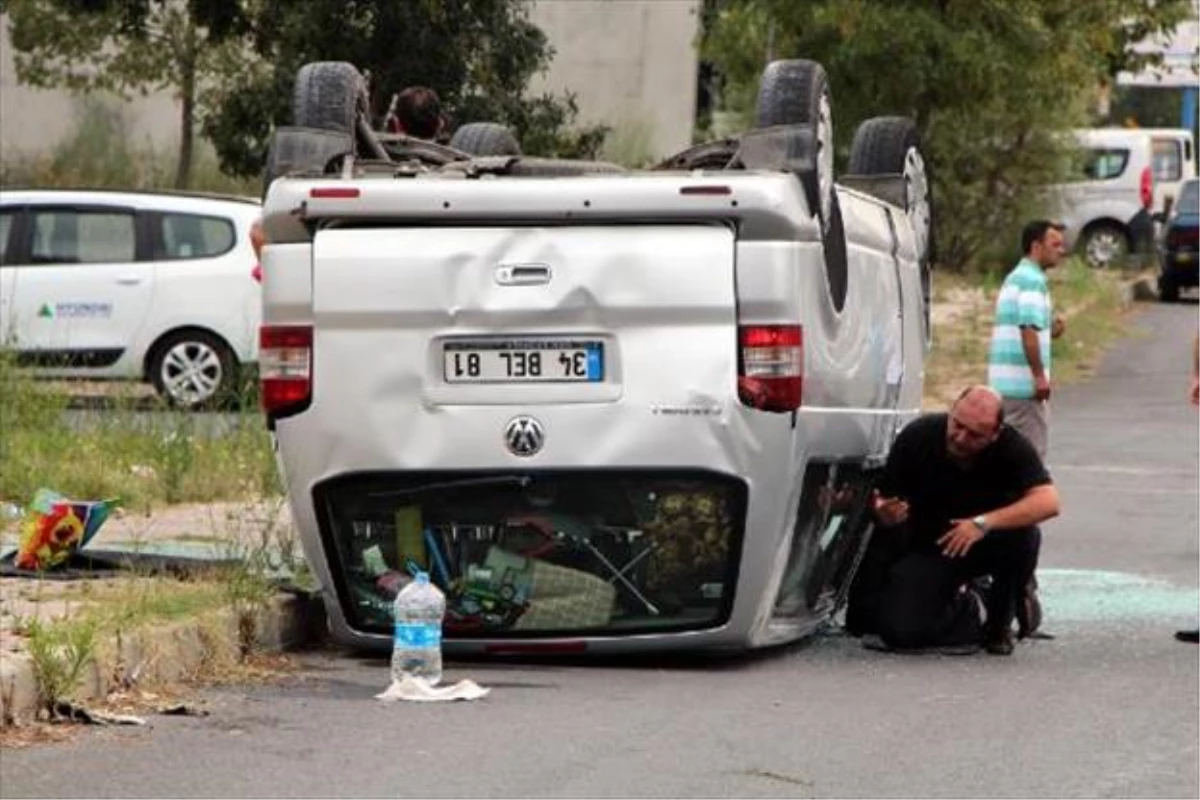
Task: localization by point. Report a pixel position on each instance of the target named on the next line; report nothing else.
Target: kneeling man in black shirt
(961, 496)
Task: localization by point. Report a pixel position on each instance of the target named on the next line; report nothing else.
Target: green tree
(991, 83)
(477, 54)
(132, 47)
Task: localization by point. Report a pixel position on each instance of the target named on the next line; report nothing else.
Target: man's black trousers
(912, 595)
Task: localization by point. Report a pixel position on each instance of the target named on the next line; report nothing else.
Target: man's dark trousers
(921, 605)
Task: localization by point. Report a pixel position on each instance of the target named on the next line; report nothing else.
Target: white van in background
(1126, 171)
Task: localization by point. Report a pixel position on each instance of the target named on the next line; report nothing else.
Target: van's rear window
(538, 554)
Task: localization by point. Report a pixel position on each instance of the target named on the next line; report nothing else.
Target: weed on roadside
(60, 651)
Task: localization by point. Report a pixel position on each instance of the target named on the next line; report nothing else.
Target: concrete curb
(162, 653)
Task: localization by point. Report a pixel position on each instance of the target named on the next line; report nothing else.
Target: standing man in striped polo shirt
(1019, 357)
(1019, 361)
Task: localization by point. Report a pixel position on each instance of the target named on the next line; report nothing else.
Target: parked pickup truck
(606, 409)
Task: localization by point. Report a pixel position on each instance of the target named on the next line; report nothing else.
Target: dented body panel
(651, 284)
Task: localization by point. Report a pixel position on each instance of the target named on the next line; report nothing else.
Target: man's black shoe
(1029, 610)
(873, 642)
(1188, 636)
(999, 643)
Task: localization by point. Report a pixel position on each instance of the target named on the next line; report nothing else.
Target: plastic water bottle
(417, 643)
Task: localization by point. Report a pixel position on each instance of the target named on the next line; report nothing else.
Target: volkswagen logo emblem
(524, 436)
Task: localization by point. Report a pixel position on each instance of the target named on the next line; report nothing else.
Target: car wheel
(892, 146)
(193, 369)
(485, 139)
(1104, 245)
(796, 92)
(328, 95)
(1168, 290)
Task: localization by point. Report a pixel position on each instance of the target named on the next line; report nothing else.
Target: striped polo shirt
(1024, 301)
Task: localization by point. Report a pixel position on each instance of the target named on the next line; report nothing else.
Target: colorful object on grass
(55, 527)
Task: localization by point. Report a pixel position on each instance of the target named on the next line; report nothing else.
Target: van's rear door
(506, 315)
(1173, 162)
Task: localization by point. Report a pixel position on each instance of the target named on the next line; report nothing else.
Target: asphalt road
(1107, 709)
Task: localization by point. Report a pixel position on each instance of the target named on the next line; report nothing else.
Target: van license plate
(524, 361)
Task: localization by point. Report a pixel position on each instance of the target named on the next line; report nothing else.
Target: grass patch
(146, 454)
(131, 604)
(1096, 315)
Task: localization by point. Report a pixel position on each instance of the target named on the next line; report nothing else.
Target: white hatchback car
(137, 285)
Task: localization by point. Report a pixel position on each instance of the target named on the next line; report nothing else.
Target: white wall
(631, 63)
(32, 121)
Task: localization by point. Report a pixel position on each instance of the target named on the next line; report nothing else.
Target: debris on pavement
(419, 690)
(64, 711)
(182, 710)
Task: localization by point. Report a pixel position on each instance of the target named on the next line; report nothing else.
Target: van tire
(328, 95)
(1168, 290)
(1104, 244)
(196, 348)
(892, 146)
(796, 92)
(485, 139)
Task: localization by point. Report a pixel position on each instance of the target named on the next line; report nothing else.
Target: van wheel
(892, 146)
(1104, 245)
(328, 95)
(193, 369)
(485, 139)
(1168, 290)
(796, 92)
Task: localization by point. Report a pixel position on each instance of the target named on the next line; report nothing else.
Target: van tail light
(771, 373)
(285, 367)
(1146, 189)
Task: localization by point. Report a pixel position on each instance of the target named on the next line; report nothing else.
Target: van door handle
(531, 274)
(129, 280)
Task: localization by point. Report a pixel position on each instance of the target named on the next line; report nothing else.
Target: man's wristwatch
(980, 522)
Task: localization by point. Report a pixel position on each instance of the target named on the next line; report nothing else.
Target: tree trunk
(187, 96)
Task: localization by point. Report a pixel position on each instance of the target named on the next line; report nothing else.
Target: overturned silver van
(607, 410)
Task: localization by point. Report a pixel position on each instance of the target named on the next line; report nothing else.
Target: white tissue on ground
(420, 690)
